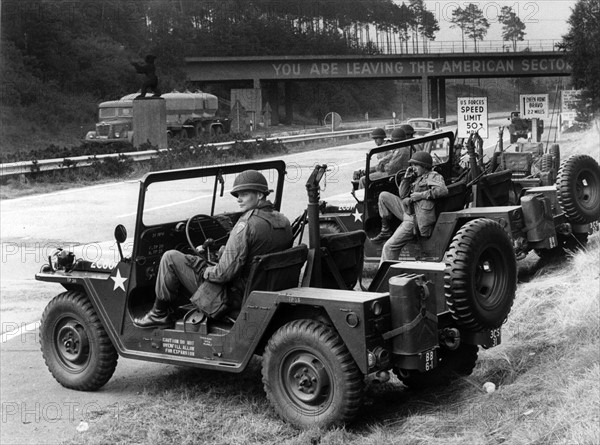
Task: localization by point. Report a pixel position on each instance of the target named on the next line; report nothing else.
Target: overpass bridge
(264, 73)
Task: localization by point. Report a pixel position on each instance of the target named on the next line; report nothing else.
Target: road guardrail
(43, 165)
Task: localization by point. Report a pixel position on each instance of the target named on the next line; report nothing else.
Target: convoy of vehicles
(318, 338)
(188, 115)
(544, 219)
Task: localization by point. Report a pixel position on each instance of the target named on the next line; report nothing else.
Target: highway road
(36, 409)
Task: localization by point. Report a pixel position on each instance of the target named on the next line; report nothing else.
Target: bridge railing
(392, 46)
(458, 46)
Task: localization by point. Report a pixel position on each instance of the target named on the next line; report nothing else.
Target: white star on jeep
(357, 215)
(119, 281)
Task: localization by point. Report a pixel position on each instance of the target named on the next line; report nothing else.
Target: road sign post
(472, 116)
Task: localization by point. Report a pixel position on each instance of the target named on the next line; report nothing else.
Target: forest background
(60, 58)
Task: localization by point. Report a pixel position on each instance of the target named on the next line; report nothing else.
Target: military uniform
(258, 231)
(418, 194)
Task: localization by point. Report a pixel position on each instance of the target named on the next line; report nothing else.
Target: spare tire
(481, 275)
(578, 187)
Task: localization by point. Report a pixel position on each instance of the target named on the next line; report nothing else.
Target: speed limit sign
(472, 116)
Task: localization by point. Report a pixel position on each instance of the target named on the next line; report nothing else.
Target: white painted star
(357, 215)
(119, 281)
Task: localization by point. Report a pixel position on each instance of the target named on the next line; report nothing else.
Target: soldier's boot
(386, 231)
(159, 316)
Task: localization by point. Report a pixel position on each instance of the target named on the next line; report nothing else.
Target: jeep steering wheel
(217, 231)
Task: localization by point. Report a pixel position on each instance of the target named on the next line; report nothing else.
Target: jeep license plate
(428, 360)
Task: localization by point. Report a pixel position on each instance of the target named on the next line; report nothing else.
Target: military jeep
(545, 219)
(318, 337)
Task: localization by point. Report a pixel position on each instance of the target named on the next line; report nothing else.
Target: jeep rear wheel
(578, 186)
(481, 275)
(452, 365)
(310, 377)
(75, 346)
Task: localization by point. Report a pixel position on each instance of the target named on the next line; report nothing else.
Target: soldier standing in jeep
(415, 205)
(219, 288)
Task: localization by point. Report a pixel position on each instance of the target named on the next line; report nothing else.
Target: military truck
(318, 338)
(188, 115)
(546, 219)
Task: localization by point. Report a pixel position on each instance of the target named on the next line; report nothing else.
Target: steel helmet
(422, 158)
(250, 180)
(378, 133)
(408, 129)
(398, 135)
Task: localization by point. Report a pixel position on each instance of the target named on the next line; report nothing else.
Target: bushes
(181, 154)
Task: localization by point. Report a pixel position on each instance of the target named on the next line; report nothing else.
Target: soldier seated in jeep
(395, 160)
(414, 206)
(217, 289)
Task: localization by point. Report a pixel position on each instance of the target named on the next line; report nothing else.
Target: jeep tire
(578, 186)
(481, 275)
(310, 377)
(75, 345)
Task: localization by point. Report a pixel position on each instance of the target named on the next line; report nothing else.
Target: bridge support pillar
(425, 96)
(436, 99)
(442, 98)
(272, 97)
(289, 104)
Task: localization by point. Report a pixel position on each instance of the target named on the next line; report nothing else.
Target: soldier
(217, 289)
(415, 206)
(151, 80)
(378, 135)
(392, 162)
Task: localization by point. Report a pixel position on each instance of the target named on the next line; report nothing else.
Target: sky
(545, 19)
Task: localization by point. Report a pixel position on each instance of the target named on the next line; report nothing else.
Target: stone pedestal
(150, 122)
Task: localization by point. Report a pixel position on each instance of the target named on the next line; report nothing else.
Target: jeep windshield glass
(178, 200)
(390, 162)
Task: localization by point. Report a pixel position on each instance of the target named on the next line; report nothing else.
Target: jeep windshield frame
(213, 175)
(428, 144)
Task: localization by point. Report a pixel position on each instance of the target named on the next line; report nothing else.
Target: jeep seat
(494, 189)
(455, 199)
(342, 256)
(276, 271)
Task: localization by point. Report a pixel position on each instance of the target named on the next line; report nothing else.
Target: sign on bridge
(534, 106)
(472, 116)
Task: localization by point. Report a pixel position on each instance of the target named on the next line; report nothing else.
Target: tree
(471, 22)
(513, 29)
(583, 51)
(423, 23)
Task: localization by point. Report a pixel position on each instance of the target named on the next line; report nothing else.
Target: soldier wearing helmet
(217, 289)
(408, 130)
(392, 162)
(378, 135)
(414, 206)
